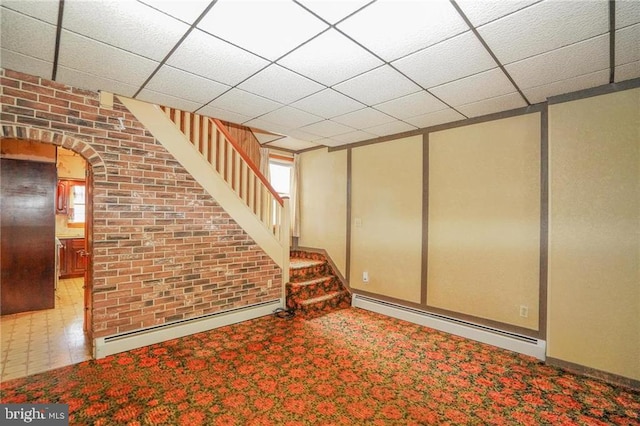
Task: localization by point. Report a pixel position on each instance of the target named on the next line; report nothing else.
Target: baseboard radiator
(514, 342)
(116, 343)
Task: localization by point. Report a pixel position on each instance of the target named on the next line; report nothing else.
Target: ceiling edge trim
(446, 126)
(595, 91)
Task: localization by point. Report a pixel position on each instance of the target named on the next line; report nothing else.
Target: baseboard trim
(109, 345)
(511, 341)
(611, 378)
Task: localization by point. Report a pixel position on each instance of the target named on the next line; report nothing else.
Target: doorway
(41, 340)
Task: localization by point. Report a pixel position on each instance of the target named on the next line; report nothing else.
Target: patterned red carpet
(349, 367)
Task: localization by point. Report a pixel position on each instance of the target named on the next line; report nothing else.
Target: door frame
(88, 256)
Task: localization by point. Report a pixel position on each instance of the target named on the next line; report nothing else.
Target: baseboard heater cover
(122, 342)
(511, 341)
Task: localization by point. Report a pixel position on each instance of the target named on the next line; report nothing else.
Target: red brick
(19, 94)
(179, 266)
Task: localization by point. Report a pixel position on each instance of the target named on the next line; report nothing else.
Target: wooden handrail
(248, 160)
(227, 158)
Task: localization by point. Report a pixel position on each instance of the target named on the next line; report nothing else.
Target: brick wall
(164, 250)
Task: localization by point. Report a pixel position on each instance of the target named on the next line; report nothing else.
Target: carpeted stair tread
(320, 299)
(311, 282)
(297, 263)
(313, 288)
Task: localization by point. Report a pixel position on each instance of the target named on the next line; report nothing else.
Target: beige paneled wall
(484, 224)
(386, 218)
(484, 220)
(594, 252)
(323, 203)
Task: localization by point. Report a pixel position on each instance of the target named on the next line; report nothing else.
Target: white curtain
(295, 197)
(264, 163)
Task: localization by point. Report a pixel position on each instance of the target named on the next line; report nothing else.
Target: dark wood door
(88, 248)
(27, 235)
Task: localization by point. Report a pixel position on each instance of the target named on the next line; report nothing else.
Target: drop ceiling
(326, 72)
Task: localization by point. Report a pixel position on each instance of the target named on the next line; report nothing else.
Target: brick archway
(69, 142)
(79, 146)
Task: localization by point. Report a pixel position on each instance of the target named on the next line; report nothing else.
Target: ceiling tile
(91, 57)
(389, 84)
(333, 11)
(287, 118)
(187, 11)
(482, 12)
(266, 125)
(390, 128)
(330, 58)
(534, 30)
(628, 45)
(627, 71)
(627, 12)
(245, 103)
(141, 29)
(363, 118)
(586, 81)
(26, 64)
(327, 128)
(209, 57)
(281, 25)
(302, 135)
(434, 118)
(352, 137)
(264, 137)
(328, 103)
(561, 64)
(489, 106)
(222, 114)
(46, 11)
(27, 36)
(484, 85)
(83, 80)
(391, 31)
(292, 144)
(168, 100)
(280, 84)
(450, 60)
(183, 85)
(411, 105)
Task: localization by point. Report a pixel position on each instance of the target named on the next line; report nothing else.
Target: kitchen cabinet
(71, 257)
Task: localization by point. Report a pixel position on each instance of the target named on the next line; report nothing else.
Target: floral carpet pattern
(349, 367)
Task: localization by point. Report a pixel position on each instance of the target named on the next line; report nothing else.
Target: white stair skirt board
(514, 342)
(114, 344)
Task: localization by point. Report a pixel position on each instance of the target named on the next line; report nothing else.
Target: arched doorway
(41, 340)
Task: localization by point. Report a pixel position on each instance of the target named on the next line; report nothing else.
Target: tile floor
(32, 342)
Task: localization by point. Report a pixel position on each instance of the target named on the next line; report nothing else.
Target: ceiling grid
(309, 73)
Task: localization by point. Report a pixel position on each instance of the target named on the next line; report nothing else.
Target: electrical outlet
(269, 283)
(365, 277)
(358, 222)
(524, 311)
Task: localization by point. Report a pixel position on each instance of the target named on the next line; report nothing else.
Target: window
(280, 176)
(280, 169)
(76, 203)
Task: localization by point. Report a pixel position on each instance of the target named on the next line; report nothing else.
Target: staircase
(204, 147)
(313, 288)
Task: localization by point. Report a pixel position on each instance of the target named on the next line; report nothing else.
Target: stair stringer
(166, 132)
